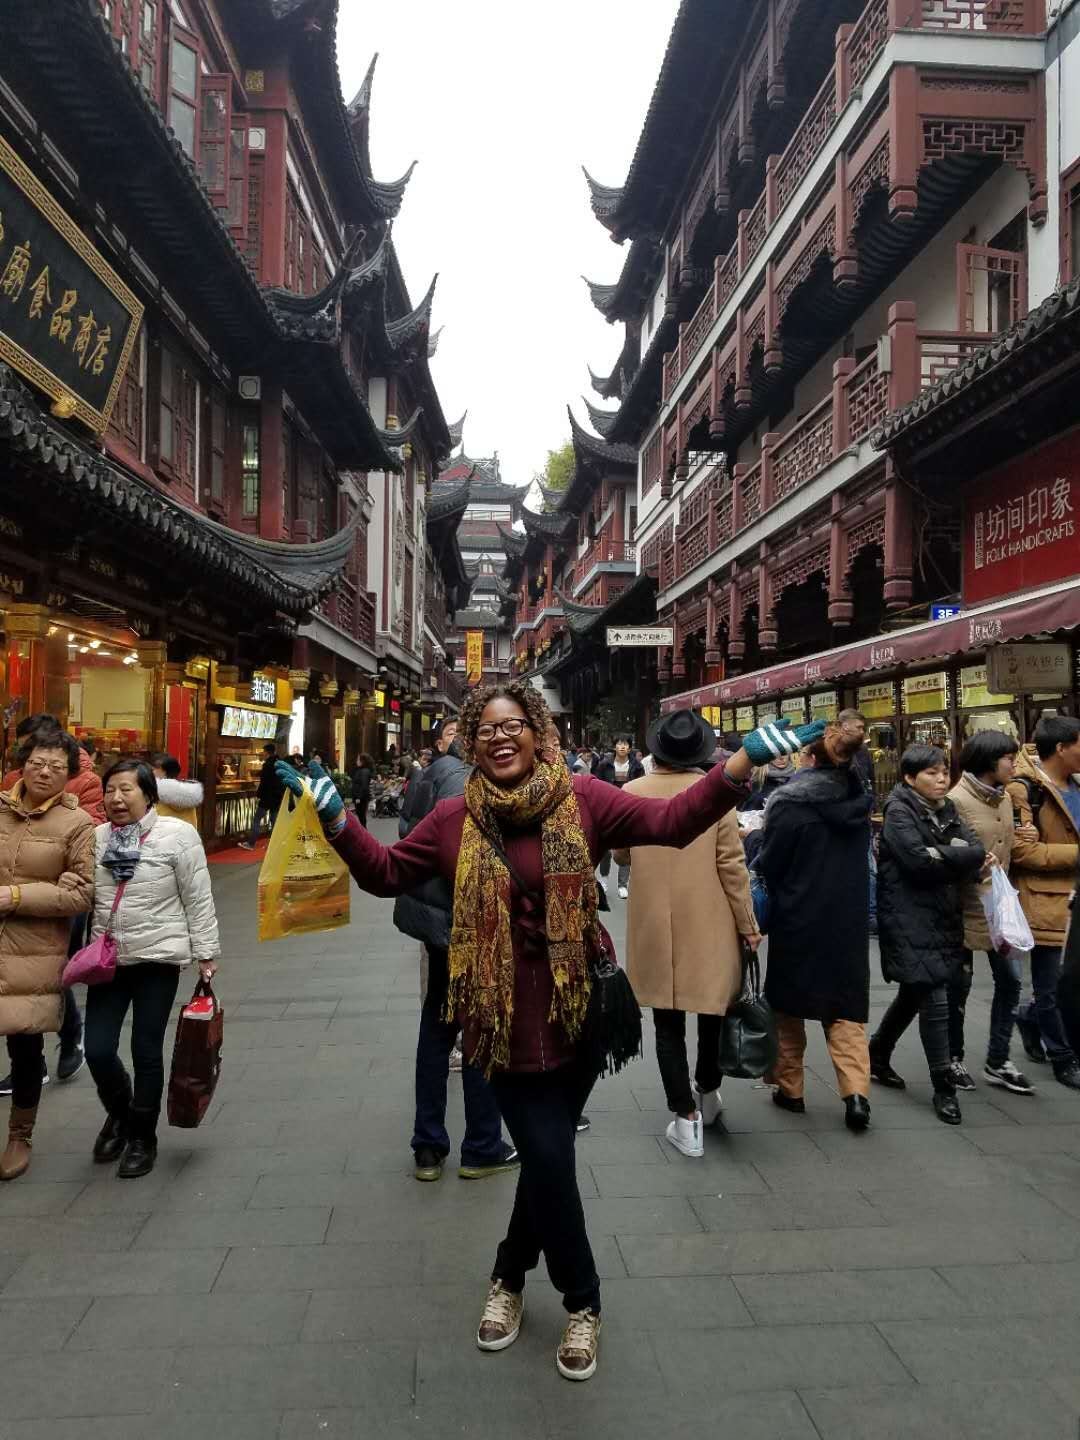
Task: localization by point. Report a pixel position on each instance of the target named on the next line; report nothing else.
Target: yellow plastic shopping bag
(303, 882)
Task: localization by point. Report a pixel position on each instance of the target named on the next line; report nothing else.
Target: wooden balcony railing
(603, 552)
(860, 398)
(857, 51)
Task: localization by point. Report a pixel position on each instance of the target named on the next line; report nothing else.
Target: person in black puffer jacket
(927, 856)
(425, 914)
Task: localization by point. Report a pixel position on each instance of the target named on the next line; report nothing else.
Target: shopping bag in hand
(196, 1062)
(303, 882)
(1009, 929)
(748, 1030)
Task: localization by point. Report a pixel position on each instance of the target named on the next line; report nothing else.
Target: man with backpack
(1046, 801)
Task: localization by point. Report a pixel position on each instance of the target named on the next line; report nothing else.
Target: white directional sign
(619, 635)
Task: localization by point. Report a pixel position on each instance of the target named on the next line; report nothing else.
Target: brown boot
(15, 1160)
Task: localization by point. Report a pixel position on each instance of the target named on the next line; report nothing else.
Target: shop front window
(108, 695)
(926, 711)
(982, 710)
(878, 704)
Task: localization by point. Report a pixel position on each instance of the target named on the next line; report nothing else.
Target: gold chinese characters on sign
(474, 656)
(68, 323)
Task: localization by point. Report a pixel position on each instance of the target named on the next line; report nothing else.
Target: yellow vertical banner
(474, 656)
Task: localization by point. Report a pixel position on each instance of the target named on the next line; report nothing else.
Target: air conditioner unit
(249, 387)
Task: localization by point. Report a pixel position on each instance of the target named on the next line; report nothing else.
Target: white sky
(502, 103)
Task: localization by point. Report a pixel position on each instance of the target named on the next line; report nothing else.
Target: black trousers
(541, 1112)
(674, 1065)
(25, 1053)
(148, 991)
(930, 1003)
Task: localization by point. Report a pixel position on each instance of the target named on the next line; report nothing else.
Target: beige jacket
(1044, 870)
(991, 818)
(687, 911)
(49, 854)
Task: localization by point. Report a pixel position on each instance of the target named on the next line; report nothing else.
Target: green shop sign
(67, 321)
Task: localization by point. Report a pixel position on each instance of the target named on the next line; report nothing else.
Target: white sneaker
(575, 1358)
(245, 845)
(603, 883)
(685, 1135)
(623, 892)
(709, 1104)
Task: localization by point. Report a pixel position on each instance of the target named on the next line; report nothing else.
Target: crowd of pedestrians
(767, 844)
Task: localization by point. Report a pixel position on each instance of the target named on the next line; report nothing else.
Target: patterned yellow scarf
(481, 947)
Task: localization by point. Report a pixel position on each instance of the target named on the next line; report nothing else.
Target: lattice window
(252, 246)
(1002, 138)
(866, 533)
(868, 401)
(651, 465)
(751, 495)
(126, 421)
(797, 572)
(822, 242)
(802, 454)
(653, 548)
(727, 279)
(867, 40)
(806, 144)
(756, 228)
(408, 600)
(723, 519)
(873, 175)
(1011, 16)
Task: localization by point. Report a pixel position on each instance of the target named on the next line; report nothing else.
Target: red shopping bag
(196, 1062)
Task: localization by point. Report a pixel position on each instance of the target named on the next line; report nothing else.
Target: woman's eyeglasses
(47, 767)
(511, 728)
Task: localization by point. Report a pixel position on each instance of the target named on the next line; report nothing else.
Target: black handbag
(611, 1032)
(748, 1030)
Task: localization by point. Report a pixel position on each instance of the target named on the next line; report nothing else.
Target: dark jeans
(1006, 970)
(71, 1025)
(1043, 1010)
(148, 990)
(674, 1066)
(483, 1142)
(261, 813)
(541, 1111)
(605, 869)
(26, 1053)
(930, 1004)
(361, 808)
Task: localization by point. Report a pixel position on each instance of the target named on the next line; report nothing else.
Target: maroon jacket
(612, 820)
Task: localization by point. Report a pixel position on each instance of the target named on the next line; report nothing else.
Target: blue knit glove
(328, 802)
(768, 742)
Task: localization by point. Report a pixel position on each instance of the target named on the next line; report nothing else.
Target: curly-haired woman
(520, 848)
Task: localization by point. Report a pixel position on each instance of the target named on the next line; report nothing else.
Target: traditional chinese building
(215, 377)
(832, 206)
(494, 508)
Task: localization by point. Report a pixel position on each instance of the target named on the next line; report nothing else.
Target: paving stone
(640, 1181)
(66, 1383)
(75, 1235)
(119, 1323)
(255, 1425)
(318, 1267)
(683, 1413)
(229, 1379)
(789, 1210)
(937, 1352)
(786, 1357)
(998, 1409)
(193, 1228)
(49, 1273)
(1046, 1289)
(51, 1198)
(744, 1252)
(828, 1297)
(27, 1326)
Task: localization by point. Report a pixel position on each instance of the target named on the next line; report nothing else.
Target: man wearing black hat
(690, 913)
(425, 915)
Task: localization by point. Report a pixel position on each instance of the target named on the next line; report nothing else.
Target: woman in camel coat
(688, 911)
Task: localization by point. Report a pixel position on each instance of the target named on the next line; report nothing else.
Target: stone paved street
(281, 1274)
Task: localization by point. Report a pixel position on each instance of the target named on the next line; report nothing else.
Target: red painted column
(905, 380)
(905, 135)
(275, 178)
(271, 463)
(841, 608)
(899, 540)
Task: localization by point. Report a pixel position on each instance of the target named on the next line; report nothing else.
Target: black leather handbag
(748, 1031)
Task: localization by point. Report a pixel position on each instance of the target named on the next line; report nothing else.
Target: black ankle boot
(857, 1112)
(946, 1107)
(112, 1138)
(141, 1149)
(882, 1071)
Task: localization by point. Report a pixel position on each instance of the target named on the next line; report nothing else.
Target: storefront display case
(245, 717)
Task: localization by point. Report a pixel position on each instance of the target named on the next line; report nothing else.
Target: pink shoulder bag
(95, 964)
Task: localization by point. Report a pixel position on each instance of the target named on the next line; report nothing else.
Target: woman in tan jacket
(688, 910)
(983, 803)
(46, 877)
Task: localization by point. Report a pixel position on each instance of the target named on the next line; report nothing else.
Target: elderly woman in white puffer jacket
(163, 922)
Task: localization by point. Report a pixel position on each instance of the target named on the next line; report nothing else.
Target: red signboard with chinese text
(1022, 523)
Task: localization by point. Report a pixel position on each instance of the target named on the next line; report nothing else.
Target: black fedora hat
(682, 740)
